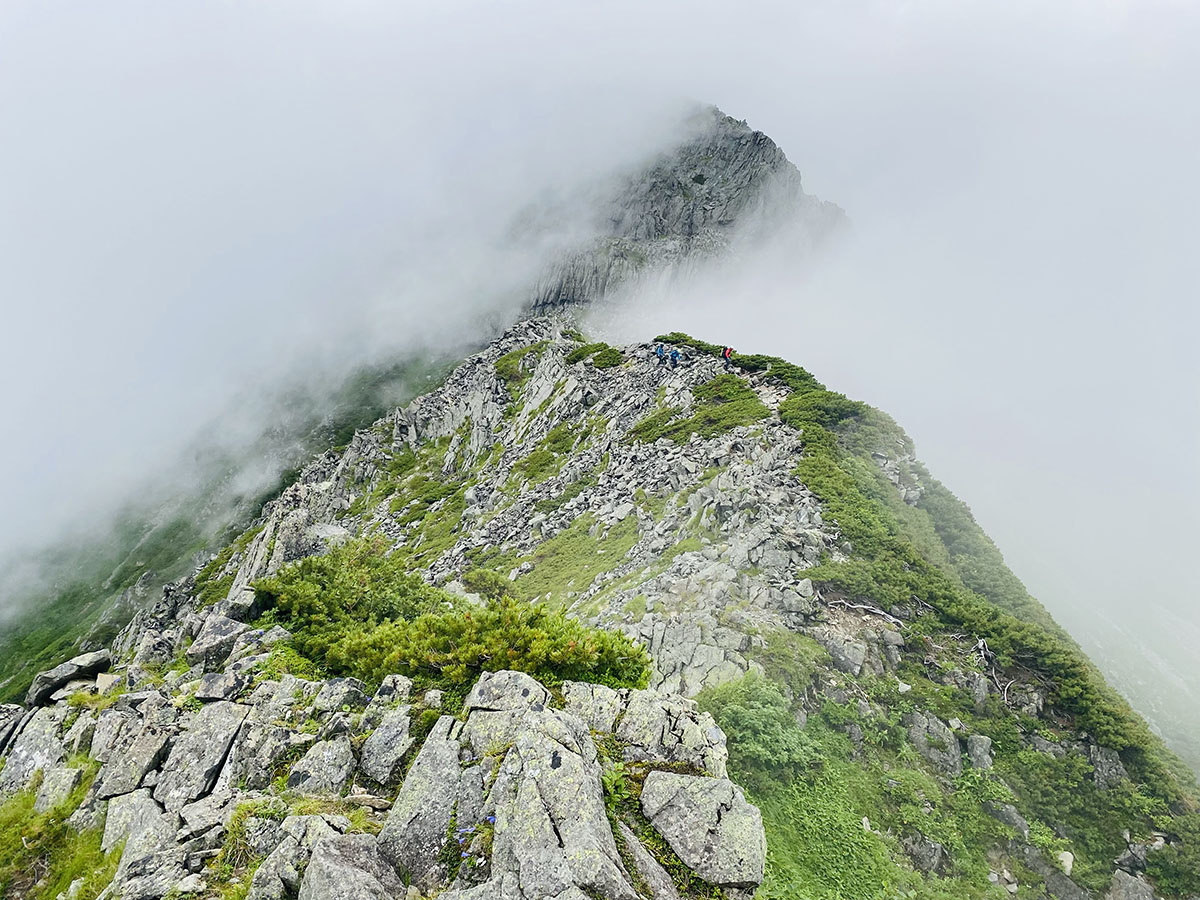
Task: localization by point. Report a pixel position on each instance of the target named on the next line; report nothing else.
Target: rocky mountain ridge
(689, 509)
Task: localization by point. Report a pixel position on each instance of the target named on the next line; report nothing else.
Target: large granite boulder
(385, 748)
(349, 867)
(415, 832)
(551, 825)
(85, 666)
(709, 825)
(198, 754)
(934, 740)
(38, 747)
(214, 642)
(669, 728)
(325, 769)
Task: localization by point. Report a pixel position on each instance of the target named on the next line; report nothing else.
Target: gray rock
(221, 686)
(78, 738)
(46, 683)
(1107, 769)
(551, 826)
(667, 728)
(598, 706)
(934, 740)
(926, 855)
(709, 825)
(349, 867)
(198, 754)
(506, 690)
(1008, 814)
(262, 835)
(278, 877)
(1130, 887)
(393, 690)
(215, 640)
(205, 815)
(129, 815)
(38, 747)
(496, 705)
(10, 718)
(652, 874)
(77, 686)
(1058, 884)
(979, 751)
(385, 748)
(415, 832)
(124, 771)
(325, 769)
(57, 785)
(339, 694)
(115, 729)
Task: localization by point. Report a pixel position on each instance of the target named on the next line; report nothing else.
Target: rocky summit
(592, 622)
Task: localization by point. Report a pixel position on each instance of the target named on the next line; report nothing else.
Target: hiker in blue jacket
(661, 353)
(674, 357)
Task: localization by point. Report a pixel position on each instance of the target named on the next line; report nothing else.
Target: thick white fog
(200, 201)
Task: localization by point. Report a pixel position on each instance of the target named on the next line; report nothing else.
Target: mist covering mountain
(854, 640)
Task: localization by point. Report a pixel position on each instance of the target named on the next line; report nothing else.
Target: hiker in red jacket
(727, 355)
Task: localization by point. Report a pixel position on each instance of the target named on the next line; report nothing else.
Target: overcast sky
(195, 198)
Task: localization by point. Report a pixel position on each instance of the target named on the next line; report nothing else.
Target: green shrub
(607, 358)
(1176, 868)
(595, 348)
(452, 648)
(764, 737)
(353, 586)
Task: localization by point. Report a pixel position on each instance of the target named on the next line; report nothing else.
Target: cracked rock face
(709, 824)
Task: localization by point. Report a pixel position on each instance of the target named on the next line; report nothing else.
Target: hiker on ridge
(727, 355)
(674, 357)
(661, 354)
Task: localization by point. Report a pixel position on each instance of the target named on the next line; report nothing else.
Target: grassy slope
(937, 554)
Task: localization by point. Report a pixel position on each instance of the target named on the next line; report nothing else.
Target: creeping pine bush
(357, 612)
(352, 588)
(452, 648)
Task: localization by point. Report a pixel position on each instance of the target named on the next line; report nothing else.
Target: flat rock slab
(325, 769)
(124, 771)
(350, 867)
(57, 785)
(198, 754)
(38, 747)
(506, 690)
(415, 832)
(84, 666)
(215, 640)
(709, 825)
(385, 748)
(221, 685)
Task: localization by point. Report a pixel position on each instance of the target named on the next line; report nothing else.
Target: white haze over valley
(201, 203)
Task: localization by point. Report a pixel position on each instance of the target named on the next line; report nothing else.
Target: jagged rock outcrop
(80, 667)
(724, 184)
(512, 790)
